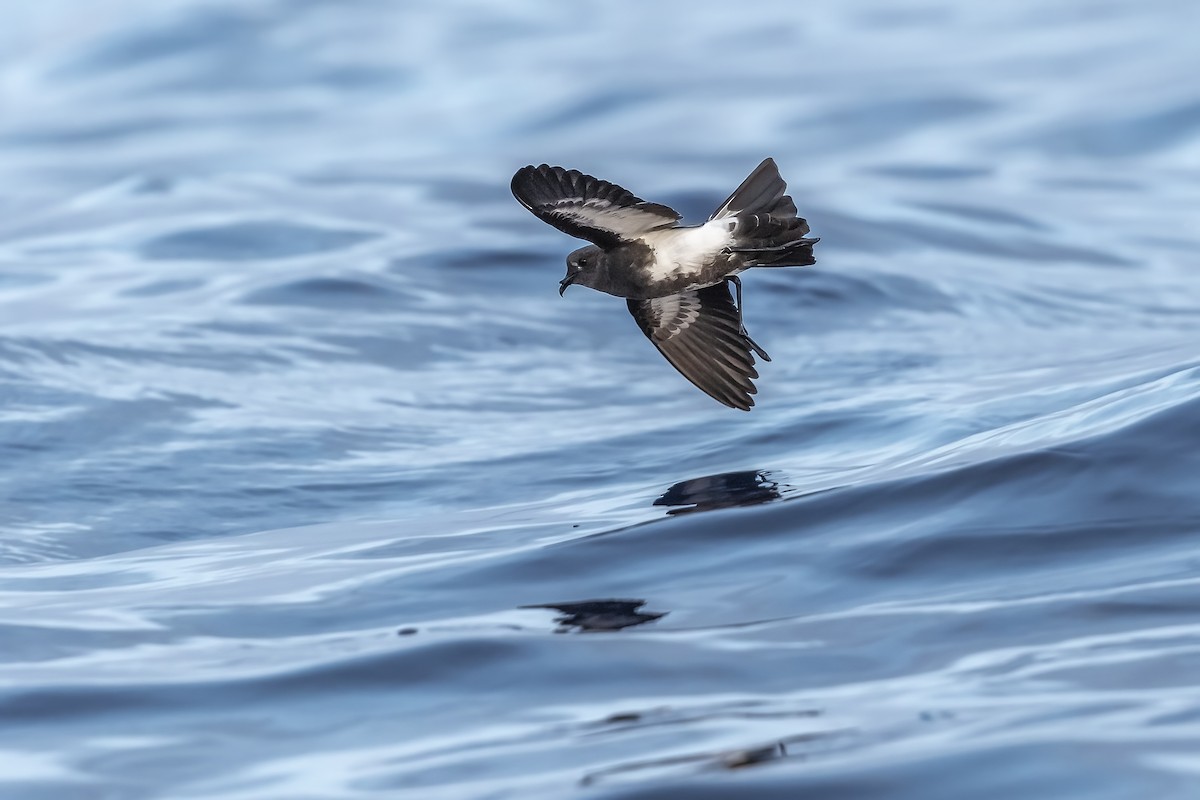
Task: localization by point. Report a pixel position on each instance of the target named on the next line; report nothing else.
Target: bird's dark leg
(737, 283)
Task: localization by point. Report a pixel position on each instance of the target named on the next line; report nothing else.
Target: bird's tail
(763, 221)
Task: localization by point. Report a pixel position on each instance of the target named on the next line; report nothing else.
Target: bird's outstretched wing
(699, 333)
(588, 208)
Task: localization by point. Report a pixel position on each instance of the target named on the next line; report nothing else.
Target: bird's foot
(755, 346)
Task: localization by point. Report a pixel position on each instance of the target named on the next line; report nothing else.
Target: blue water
(311, 486)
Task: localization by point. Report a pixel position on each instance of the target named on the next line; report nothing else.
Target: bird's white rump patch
(684, 251)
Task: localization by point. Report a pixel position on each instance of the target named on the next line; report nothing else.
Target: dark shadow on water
(601, 615)
(726, 490)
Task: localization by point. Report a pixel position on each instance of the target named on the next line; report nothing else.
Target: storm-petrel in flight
(676, 279)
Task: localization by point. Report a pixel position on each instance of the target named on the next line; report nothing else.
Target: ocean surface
(311, 486)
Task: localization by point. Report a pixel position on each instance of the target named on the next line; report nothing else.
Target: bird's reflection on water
(601, 615)
(726, 490)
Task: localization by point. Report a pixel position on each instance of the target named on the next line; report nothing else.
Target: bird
(675, 279)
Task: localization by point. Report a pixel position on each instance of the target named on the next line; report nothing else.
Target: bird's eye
(582, 263)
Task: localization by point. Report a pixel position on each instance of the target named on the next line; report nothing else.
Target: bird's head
(584, 266)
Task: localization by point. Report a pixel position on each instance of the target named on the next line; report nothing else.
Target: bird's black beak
(567, 281)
